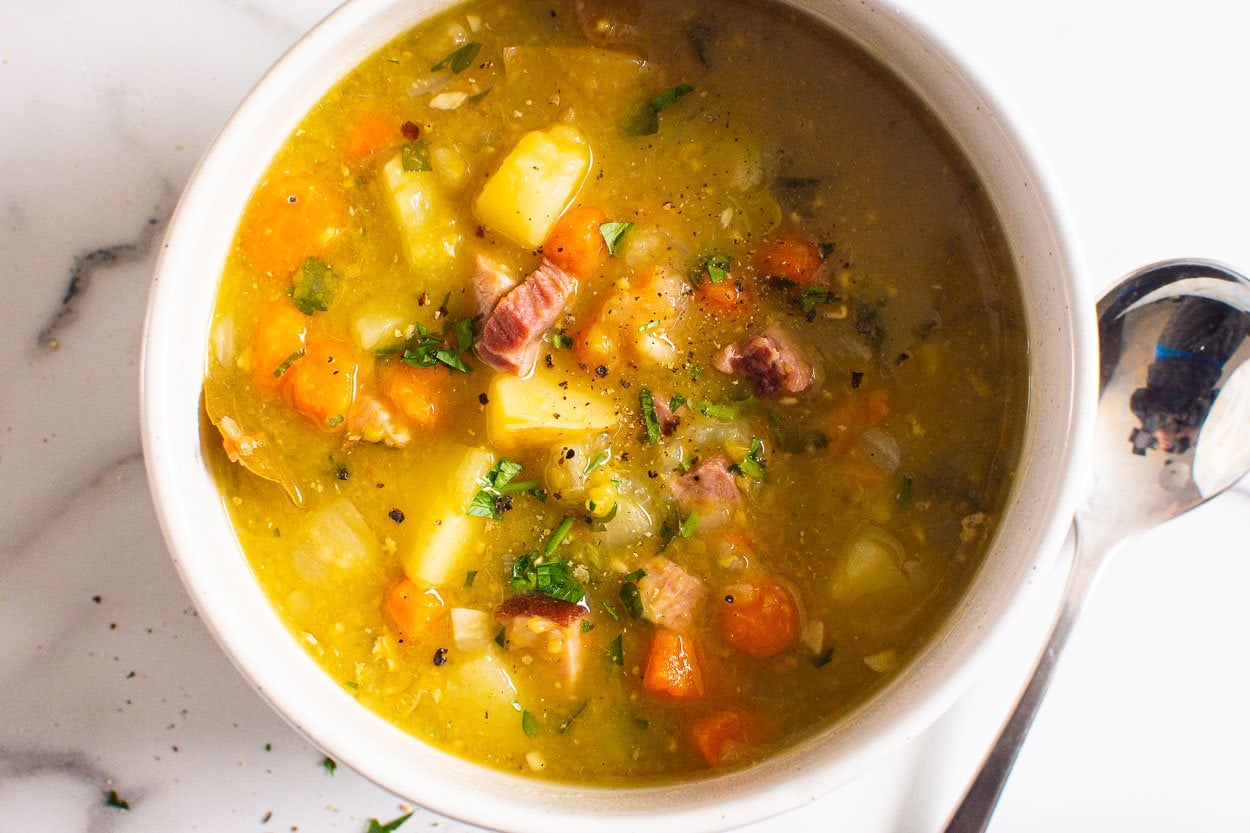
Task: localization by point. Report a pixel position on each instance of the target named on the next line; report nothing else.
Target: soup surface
(610, 391)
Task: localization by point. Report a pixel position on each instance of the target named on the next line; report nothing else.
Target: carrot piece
(373, 132)
(575, 243)
(673, 666)
(323, 384)
(289, 217)
(726, 296)
(414, 611)
(277, 344)
(762, 620)
(876, 406)
(721, 737)
(788, 254)
(418, 392)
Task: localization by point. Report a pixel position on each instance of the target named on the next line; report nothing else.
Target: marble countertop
(109, 680)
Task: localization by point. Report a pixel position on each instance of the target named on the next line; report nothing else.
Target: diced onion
(814, 636)
(882, 449)
(337, 538)
(471, 629)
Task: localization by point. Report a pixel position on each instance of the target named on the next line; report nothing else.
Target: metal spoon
(1173, 407)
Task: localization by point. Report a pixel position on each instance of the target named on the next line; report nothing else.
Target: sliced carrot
(876, 406)
(762, 620)
(323, 384)
(418, 392)
(290, 217)
(722, 737)
(859, 413)
(413, 610)
(788, 254)
(277, 343)
(727, 295)
(373, 132)
(575, 243)
(673, 666)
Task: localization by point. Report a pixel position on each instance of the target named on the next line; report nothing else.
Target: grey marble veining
(109, 680)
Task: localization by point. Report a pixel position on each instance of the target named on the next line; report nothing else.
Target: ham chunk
(373, 422)
(670, 596)
(491, 281)
(771, 360)
(709, 490)
(550, 629)
(513, 332)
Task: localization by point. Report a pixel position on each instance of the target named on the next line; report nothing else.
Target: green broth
(788, 126)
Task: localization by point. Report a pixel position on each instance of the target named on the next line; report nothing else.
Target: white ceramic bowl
(1063, 376)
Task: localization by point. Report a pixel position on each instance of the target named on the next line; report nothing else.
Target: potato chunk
(441, 531)
(427, 224)
(871, 564)
(534, 184)
(537, 411)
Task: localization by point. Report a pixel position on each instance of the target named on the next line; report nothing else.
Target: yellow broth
(787, 127)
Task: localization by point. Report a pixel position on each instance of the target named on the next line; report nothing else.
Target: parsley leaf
(469, 578)
(814, 296)
(649, 419)
(426, 350)
(669, 97)
(599, 459)
(753, 464)
(551, 578)
(724, 412)
(460, 60)
(904, 493)
(529, 724)
(676, 402)
(689, 525)
(329, 765)
(612, 234)
(286, 365)
(556, 537)
(115, 800)
(631, 596)
(560, 341)
(616, 651)
(717, 268)
(415, 156)
(489, 501)
(646, 122)
(376, 826)
(314, 286)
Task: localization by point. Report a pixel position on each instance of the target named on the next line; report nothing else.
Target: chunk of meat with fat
(772, 361)
(670, 596)
(549, 628)
(373, 422)
(513, 332)
(491, 281)
(708, 486)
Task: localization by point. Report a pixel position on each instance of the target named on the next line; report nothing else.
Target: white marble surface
(110, 682)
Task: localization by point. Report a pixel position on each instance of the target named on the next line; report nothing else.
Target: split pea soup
(616, 391)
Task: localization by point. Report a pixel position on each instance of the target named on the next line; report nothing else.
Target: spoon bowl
(1174, 397)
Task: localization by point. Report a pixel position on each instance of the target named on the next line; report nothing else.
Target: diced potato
(441, 531)
(537, 411)
(883, 662)
(427, 224)
(534, 184)
(872, 563)
(335, 539)
(380, 330)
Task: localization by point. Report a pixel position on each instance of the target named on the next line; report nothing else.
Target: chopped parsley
(352, 684)
(612, 234)
(676, 402)
(689, 525)
(670, 97)
(415, 156)
(904, 493)
(587, 626)
(115, 800)
(724, 412)
(717, 268)
(631, 596)
(599, 459)
(460, 60)
(469, 578)
(753, 464)
(564, 727)
(560, 341)
(649, 420)
(814, 296)
(492, 501)
(646, 122)
(501, 638)
(611, 612)
(376, 826)
(650, 325)
(329, 765)
(286, 364)
(551, 578)
(616, 651)
(559, 535)
(529, 724)
(334, 421)
(314, 286)
(426, 350)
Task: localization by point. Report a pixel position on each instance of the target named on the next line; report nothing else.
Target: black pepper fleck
(601, 371)
(483, 398)
(440, 657)
(396, 515)
(729, 599)
(342, 473)
(856, 378)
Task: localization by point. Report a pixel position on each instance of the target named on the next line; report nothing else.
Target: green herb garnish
(676, 402)
(329, 765)
(587, 626)
(564, 727)
(426, 350)
(725, 412)
(631, 596)
(460, 60)
(464, 334)
(469, 578)
(500, 638)
(646, 122)
(556, 537)
(488, 503)
(616, 651)
(352, 684)
(649, 419)
(599, 459)
(669, 97)
(115, 800)
(650, 325)
(334, 421)
(560, 341)
(717, 268)
(376, 826)
(611, 612)
(689, 525)
(529, 724)
(286, 364)
(753, 464)
(551, 578)
(904, 493)
(612, 234)
(415, 156)
(814, 296)
(314, 286)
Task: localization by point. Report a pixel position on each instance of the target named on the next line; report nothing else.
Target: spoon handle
(974, 812)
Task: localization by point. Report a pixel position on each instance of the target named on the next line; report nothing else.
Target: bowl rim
(179, 520)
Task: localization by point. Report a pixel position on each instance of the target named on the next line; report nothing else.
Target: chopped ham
(601, 23)
(709, 485)
(772, 361)
(491, 281)
(665, 416)
(548, 628)
(513, 332)
(373, 422)
(670, 595)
